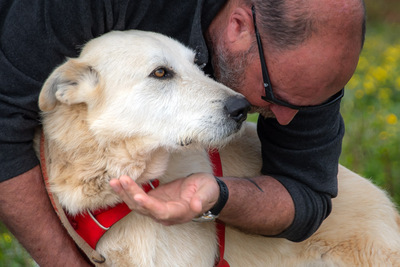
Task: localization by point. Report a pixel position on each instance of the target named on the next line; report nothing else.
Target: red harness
(215, 159)
(91, 226)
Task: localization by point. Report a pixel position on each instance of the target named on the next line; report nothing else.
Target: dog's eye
(161, 73)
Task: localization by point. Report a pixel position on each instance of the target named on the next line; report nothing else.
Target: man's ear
(71, 83)
(240, 30)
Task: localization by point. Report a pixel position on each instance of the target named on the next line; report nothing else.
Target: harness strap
(96, 258)
(215, 159)
(92, 225)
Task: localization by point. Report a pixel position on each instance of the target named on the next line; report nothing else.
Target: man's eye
(162, 73)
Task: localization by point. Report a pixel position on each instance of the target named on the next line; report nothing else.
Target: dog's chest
(182, 164)
(140, 241)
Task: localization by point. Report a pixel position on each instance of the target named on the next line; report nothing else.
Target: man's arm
(26, 210)
(260, 206)
(268, 211)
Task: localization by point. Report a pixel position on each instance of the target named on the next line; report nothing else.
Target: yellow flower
(7, 238)
(384, 94)
(392, 53)
(380, 74)
(362, 63)
(353, 83)
(398, 83)
(359, 94)
(369, 87)
(391, 119)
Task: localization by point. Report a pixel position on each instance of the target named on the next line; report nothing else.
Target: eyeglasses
(269, 95)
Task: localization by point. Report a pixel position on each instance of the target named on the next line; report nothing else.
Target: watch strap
(222, 199)
(213, 213)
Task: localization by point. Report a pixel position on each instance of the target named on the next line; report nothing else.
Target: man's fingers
(116, 185)
(176, 202)
(137, 200)
(129, 185)
(128, 191)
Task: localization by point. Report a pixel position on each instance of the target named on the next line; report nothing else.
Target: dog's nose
(237, 108)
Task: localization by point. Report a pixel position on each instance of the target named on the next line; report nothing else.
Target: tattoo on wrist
(251, 181)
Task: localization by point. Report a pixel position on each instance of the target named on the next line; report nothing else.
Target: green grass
(371, 110)
(12, 254)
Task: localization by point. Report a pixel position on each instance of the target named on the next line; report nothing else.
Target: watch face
(206, 217)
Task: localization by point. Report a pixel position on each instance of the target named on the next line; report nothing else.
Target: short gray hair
(288, 23)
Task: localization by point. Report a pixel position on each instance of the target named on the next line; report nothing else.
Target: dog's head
(137, 84)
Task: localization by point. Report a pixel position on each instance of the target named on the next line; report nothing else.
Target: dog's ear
(71, 83)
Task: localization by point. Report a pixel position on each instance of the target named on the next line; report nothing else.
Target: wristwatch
(213, 213)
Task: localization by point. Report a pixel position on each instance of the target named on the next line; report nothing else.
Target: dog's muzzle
(237, 108)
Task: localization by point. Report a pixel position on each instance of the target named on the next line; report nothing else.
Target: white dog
(134, 103)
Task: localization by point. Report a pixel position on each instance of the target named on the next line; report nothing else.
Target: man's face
(241, 71)
(235, 71)
(307, 75)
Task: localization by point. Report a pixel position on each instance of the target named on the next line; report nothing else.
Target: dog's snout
(237, 108)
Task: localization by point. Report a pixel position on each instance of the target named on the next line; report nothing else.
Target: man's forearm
(261, 205)
(27, 212)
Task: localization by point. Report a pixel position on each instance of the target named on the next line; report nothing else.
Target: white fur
(105, 115)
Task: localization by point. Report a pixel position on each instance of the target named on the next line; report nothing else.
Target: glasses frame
(269, 95)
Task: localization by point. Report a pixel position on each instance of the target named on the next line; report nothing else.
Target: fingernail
(124, 183)
(139, 200)
(114, 185)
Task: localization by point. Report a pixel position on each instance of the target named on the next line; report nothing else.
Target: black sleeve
(304, 157)
(36, 36)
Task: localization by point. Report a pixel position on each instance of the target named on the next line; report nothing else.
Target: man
(310, 49)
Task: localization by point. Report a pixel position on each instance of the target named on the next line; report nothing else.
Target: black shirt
(36, 36)
(304, 156)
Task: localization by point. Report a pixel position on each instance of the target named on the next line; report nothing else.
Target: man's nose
(284, 115)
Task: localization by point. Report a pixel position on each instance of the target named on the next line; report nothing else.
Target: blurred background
(370, 108)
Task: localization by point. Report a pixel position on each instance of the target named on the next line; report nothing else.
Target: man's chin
(265, 112)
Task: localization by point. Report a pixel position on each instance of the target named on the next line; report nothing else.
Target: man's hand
(176, 202)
